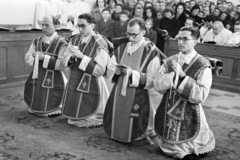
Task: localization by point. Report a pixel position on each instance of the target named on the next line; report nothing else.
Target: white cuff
(84, 63)
(135, 79)
(46, 61)
(181, 86)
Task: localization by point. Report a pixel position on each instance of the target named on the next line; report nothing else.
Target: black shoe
(194, 156)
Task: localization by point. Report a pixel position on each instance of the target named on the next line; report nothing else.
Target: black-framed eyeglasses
(83, 26)
(183, 39)
(133, 35)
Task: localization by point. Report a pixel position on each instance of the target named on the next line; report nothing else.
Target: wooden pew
(230, 79)
(13, 47)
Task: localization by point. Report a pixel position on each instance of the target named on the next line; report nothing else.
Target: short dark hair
(194, 32)
(139, 21)
(103, 1)
(110, 0)
(192, 19)
(88, 17)
(106, 9)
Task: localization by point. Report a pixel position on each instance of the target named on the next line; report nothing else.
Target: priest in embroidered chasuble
(44, 87)
(87, 57)
(185, 80)
(130, 110)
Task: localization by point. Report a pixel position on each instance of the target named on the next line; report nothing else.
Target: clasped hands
(74, 50)
(41, 55)
(122, 69)
(177, 68)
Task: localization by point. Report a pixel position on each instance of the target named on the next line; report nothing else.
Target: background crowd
(219, 22)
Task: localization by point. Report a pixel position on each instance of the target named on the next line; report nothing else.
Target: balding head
(217, 27)
(49, 25)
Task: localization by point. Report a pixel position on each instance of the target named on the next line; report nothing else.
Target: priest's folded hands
(123, 69)
(74, 50)
(41, 55)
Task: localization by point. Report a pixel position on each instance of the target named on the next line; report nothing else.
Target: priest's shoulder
(74, 37)
(101, 40)
(151, 48)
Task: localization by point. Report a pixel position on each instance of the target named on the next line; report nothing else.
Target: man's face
(236, 28)
(100, 3)
(106, 15)
(84, 27)
(118, 9)
(112, 4)
(229, 5)
(209, 24)
(138, 13)
(216, 12)
(189, 23)
(157, 6)
(195, 12)
(159, 15)
(135, 34)
(187, 5)
(206, 11)
(223, 16)
(232, 14)
(131, 4)
(225, 8)
(238, 9)
(189, 43)
(162, 6)
(216, 29)
(168, 14)
(48, 27)
(192, 3)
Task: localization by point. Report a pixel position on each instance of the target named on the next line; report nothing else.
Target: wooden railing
(230, 79)
(13, 47)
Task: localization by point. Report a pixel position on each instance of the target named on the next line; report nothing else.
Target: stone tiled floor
(225, 102)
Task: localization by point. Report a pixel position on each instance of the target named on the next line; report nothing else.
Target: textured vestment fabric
(84, 93)
(180, 121)
(126, 118)
(44, 94)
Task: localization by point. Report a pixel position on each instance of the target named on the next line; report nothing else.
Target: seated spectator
(149, 13)
(138, 12)
(150, 33)
(189, 23)
(117, 12)
(207, 26)
(216, 12)
(228, 25)
(97, 12)
(234, 41)
(120, 27)
(217, 34)
(105, 26)
(194, 14)
(111, 5)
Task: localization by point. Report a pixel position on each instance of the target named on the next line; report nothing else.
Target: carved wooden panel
(238, 71)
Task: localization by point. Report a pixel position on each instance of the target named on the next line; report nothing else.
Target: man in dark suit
(105, 26)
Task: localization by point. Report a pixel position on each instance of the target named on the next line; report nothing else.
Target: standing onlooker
(149, 13)
(97, 12)
(150, 33)
(104, 26)
(180, 14)
(111, 5)
(120, 27)
(169, 27)
(117, 12)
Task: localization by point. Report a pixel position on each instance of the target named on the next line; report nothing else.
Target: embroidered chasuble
(177, 120)
(44, 93)
(82, 96)
(126, 117)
